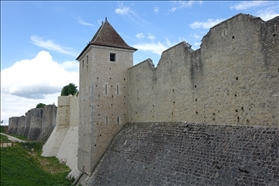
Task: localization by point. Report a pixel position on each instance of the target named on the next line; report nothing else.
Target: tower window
(112, 57)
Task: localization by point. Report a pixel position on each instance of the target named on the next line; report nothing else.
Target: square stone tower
(103, 92)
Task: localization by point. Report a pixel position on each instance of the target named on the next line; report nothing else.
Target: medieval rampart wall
(13, 125)
(21, 126)
(74, 110)
(27, 123)
(63, 141)
(232, 79)
(37, 124)
(63, 112)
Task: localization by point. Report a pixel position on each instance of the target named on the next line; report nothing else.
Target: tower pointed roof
(107, 36)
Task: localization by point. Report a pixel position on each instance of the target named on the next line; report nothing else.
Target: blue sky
(40, 40)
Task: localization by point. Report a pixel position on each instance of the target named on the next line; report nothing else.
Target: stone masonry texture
(27, 123)
(13, 125)
(190, 154)
(63, 141)
(233, 78)
(48, 122)
(37, 124)
(103, 97)
(227, 90)
(21, 126)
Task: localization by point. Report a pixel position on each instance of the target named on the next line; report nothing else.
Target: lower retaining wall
(63, 144)
(189, 154)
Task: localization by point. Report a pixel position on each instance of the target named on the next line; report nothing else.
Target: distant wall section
(37, 124)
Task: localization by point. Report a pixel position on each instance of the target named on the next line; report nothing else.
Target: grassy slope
(22, 165)
(4, 139)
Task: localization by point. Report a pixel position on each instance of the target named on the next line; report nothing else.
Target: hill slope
(22, 165)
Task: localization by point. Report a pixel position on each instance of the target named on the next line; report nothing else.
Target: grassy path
(11, 138)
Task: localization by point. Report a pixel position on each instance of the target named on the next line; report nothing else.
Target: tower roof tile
(107, 36)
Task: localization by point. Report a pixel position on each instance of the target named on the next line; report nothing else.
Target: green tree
(40, 105)
(69, 89)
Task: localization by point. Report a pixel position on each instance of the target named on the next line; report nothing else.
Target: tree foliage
(69, 89)
(40, 105)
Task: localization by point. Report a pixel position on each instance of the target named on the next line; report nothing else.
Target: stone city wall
(232, 79)
(228, 93)
(27, 123)
(13, 125)
(63, 141)
(37, 124)
(21, 126)
(189, 154)
(48, 121)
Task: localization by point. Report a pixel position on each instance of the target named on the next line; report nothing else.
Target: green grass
(22, 165)
(4, 139)
(2, 129)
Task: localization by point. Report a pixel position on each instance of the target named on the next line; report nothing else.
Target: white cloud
(32, 81)
(140, 35)
(248, 4)
(38, 77)
(82, 22)
(156, 48)
(206, 25)
(268, 13)
(50, 45)
(132, 16)
(151, 37)
(183, 4)
(124, 10)
(156, 9)
(18, 106)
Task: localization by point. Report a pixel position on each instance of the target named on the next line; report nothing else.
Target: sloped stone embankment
(190, 154)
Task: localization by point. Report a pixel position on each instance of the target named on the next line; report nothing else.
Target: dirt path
(13, 138)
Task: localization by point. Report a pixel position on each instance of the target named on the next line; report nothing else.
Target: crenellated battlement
(229, 86)
(232, 79)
